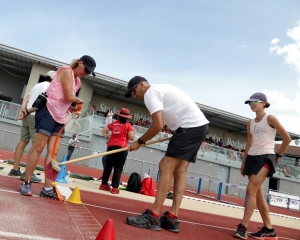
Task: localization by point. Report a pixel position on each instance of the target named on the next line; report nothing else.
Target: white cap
(51, 74)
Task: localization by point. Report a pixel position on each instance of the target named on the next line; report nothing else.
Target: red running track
(35, 216)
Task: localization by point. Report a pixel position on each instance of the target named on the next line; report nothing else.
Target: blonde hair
(75, 63)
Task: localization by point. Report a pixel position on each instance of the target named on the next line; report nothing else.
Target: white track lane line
(24, 236)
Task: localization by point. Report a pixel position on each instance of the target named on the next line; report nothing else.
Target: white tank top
(263, 137)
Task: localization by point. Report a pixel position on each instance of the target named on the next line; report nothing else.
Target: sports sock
(270, 229)
(48, 188)
(171, 216)
(155, 215)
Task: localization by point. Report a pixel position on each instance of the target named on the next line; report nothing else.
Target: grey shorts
(28, 129)
(185, 143)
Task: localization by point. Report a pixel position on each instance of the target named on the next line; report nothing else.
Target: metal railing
(84, 126)
(9, 110)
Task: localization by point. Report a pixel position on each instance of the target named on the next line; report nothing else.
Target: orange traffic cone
(107, 232)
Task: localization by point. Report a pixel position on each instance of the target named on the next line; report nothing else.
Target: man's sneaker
(26, 189)
(169, 224)
(241, 232)
(33, 178)
(104, 187)
(49, 194)
(14, 172)
(146, 220)
(264, 234)
(115, 191)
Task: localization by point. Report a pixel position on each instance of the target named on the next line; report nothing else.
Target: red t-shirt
(119, 134)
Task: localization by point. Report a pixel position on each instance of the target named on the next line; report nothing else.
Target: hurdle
(221, 184)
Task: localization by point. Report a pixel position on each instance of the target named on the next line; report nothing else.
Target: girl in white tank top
(260, 162)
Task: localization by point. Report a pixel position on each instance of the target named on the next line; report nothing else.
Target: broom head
(54, 165)
(50, 172)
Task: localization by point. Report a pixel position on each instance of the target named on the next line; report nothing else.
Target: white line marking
(24, 236)
(233, 206)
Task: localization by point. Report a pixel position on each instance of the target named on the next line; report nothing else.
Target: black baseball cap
(133, 81)
(89, 63)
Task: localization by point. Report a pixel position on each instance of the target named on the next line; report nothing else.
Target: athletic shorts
(45, 124)
(255, 163)
(28, 129)
(185, 143)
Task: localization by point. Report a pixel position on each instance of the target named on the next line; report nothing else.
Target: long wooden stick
(109, 152)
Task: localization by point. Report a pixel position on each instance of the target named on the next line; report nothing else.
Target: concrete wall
(229, 138)
(36, 71)
(12, 86)
(102, 104)
(289, 186)
(85, 94)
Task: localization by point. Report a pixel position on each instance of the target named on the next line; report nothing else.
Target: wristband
(140, 141)
(278, 155)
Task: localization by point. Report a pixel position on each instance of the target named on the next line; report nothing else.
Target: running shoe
(146, 220)
(33, 178)
(169, 224)
(264, 234)
(115, 191)
(26, 189)
(241, 232)
(14, 172)
(49, 194)
(105, 187)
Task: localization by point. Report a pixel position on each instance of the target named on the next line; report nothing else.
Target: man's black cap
(133, 81)
(89, 63)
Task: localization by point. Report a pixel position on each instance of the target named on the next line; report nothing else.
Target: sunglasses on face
(255, 102)
(85, 69)
(133, 92)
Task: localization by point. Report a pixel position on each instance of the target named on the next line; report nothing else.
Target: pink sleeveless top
(263, 137)
(56, 102)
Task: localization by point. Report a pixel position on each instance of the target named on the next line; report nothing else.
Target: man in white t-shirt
(171, 106)
(72, 144)
(28, 125)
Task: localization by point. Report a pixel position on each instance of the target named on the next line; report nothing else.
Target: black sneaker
(14, 172)
(49, 194)
(167, 223)
(241, 232)
(146, 220)
(264, 233)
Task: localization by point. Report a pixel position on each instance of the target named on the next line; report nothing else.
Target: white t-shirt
(73, 141)
(178, 109)
(35, 92)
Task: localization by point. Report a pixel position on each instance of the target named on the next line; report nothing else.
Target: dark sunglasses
(85, 69)
(133, 92)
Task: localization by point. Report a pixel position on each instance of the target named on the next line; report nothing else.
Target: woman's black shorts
(185, 143)
(255, 163)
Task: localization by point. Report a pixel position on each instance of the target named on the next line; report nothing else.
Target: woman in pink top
(260, 162)
(52, 117)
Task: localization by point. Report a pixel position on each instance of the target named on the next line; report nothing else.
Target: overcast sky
(219, 52)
